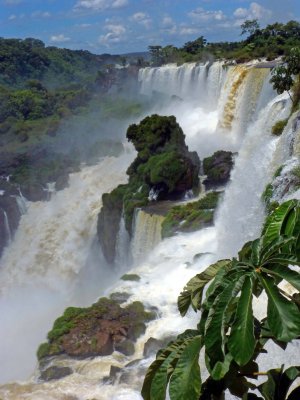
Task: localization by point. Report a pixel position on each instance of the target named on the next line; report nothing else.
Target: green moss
(191, 216)
(131, 277)
(65, 323)
(296, 171)
(278, 171)
(47, 350)
(278, 128)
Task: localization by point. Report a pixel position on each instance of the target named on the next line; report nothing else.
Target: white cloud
(201, 15)
(99, 5)
(60, 38)
(41, 14)
(255, 11)
(169, 25)
(188, 31)
(12, 17)
(139, 16)
(116, 34)
(142, 19)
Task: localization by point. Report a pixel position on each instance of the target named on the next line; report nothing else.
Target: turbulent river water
(54, 260)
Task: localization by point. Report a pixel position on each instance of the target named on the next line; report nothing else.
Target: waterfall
(44, 269)
(147, 234)
(241, 214)
(22, 203)
(193, 82)
(239, 101)
(7, 228)
(123, 258)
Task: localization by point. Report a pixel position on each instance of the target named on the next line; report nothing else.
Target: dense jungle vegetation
(273, 41)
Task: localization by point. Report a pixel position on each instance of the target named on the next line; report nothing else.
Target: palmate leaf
(278, 221)
(242, 342)
(159, 372)
(192, 292)
(289, 275)
(283, 316)
(185, 382)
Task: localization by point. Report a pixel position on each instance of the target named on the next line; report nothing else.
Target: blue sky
(121, 26)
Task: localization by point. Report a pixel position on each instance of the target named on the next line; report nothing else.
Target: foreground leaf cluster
(228, 332)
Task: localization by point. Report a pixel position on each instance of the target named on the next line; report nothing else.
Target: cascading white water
(42, 270)
(146, 235)
(7, 228)
(172, 262)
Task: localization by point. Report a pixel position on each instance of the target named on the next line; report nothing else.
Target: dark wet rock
(96, 330)
(62, 182)
(108, 224)
(54, 372)
(120, 297)
(217, 168)
(152, 346)
(126, 347)
(9, 214)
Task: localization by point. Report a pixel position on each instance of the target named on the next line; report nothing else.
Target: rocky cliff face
(164, 169)
(9, 213)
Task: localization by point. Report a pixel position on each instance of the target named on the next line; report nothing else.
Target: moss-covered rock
(279, 126)
(96, 330)
(217, 168)
(131, 277)
(163, 166)
(191, 216)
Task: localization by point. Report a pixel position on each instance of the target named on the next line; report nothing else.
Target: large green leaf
(289, 275)
(256, 247)
(276, 247)
(158, 374)
(283, 315)
(278, 222)
(242, 342)
(215, 324)
(192, 292)
(185, 382)
(160, 379)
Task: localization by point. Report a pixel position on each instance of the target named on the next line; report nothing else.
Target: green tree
(283, 76)
(156, 54)
(195, 46)
(249, 27)
(228, 332)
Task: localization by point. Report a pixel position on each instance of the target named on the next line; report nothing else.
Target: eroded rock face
(217, 168)
(9, 213)
(97, 330)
